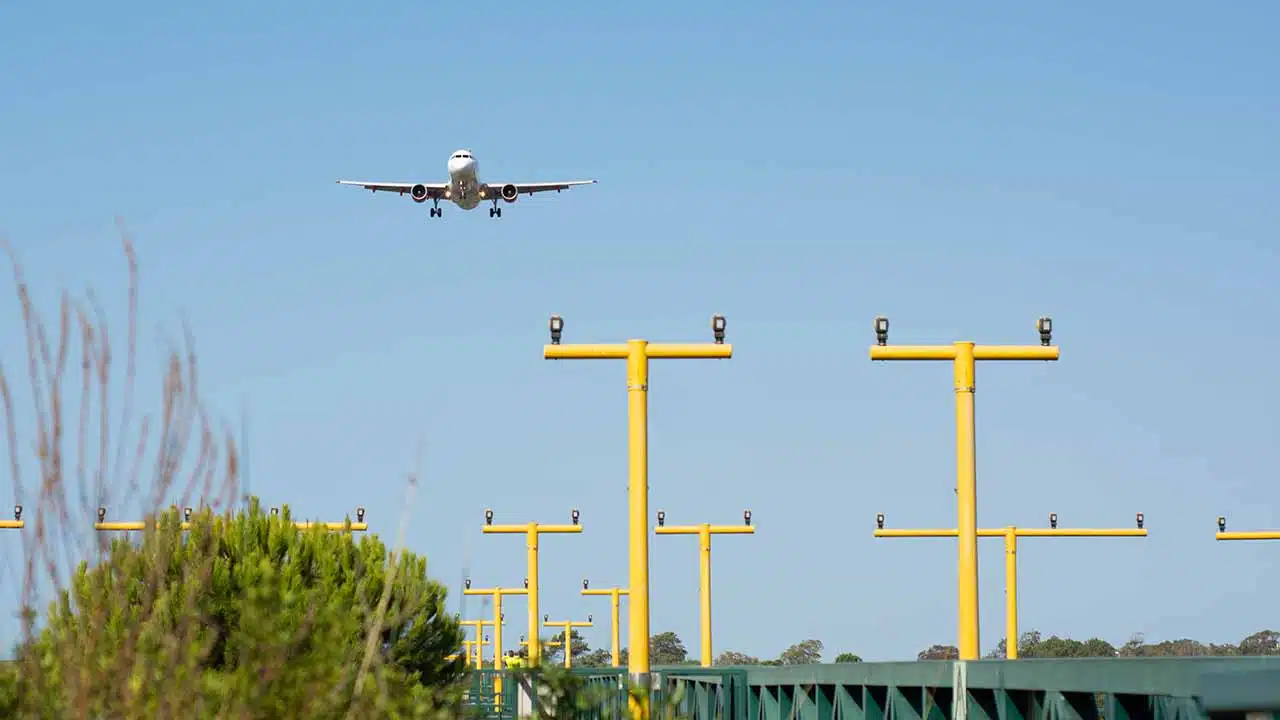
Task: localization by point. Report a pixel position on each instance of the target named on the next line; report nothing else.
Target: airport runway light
(17, 523)
(567, 627)
(1244, 534)
(1011, 535)
(497, 593)
(638, 353)
(704, 532)
(531, 531)
(615, 600)
(138, 525)
(963, 355)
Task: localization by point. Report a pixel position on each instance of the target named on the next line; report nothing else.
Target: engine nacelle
(510, 192)
(418, 193)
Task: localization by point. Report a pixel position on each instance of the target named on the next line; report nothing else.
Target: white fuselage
(465, 188)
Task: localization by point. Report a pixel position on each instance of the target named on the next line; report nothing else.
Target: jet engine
(510, 192)
(418, 192)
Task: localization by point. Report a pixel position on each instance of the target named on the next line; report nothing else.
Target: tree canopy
(243, 615)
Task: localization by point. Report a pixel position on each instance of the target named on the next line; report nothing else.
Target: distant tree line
(666, 648)
(1033, 645)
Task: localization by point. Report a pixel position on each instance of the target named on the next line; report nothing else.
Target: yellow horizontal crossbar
(606, 592)
(1249, 535)
(948, 352)
(490, 591)
(12, 524)
(539, 528)
(131, 525)
(698, 529)
(1020, 532)
(655, 351)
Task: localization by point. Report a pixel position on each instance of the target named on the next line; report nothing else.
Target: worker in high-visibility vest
(514, 661)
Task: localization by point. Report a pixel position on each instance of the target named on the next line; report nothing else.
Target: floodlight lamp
(526, 583)
(17, 512)
(1045, 326)
(546, 618)
(102, 513)
(488, 516)
(186, 514)
(746, 517)
(574, 515)
(1053, 519)
(882, 330)
(879, 521)
(590, 619)
(585, 584)
(717, 328)
(556, 326)
(1141, 520)
(502, 617)
(360, 513)
(467, 583)
(662, 518)
(1222, 524)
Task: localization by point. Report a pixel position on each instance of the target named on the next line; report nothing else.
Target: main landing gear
(495, 211)
(436, 211)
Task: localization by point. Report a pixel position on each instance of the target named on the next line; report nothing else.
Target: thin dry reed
(178, 452)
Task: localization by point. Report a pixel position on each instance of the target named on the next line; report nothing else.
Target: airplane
(464, 187)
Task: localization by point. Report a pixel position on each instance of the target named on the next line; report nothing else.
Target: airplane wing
(531, 188)
(434, 190)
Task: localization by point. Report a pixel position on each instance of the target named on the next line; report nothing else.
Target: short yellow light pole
(497, 593)
(615, 599)
(704, 532)
(473, 649)
(1011, 535)
(478, 626)
(17, 523)
(531, 531)
(567, 627)
(963, 356)
(137, 525)
(1222, 533)
(638, 353)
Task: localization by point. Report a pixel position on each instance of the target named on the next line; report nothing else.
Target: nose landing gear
(436, 211)
(495, 211)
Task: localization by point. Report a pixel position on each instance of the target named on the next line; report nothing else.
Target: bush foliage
(244, 615)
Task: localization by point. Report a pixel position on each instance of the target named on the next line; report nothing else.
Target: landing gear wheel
(436, 212)
(495, 212)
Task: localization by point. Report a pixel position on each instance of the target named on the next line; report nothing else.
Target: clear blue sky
(799, 170)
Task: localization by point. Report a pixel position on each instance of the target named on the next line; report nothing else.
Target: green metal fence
(1028, 689)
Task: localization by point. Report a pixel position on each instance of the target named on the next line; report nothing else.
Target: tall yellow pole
(966, 503)
(638, 509)
(1011, 593)
(963, 355)
(615, 600)
(496, 593)
(1223, 534)
(704, 532)
(531, 531)
(1011, 535)
(638, 353)
(567, 642)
